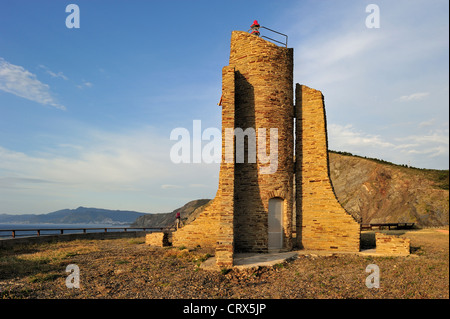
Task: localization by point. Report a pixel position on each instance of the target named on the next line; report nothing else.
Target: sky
(86, 113)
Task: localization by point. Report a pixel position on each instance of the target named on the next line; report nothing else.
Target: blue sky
(86, 114)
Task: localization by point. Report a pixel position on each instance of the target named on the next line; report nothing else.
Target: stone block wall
(162, 239)
(392, 245)
(225, 235)
(322, 222)
(263, 100)
(202, 231)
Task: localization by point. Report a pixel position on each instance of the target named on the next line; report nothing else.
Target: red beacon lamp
(255, 28)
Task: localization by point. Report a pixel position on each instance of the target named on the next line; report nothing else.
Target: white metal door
(275, 223)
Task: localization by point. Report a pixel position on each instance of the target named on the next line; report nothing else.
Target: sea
(23, 230)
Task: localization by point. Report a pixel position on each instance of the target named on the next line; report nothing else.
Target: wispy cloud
(21, 183)
(198, 185)
(85, 84)
(332, 59)
(413, 97)
(427, 123)
(16, 80)
(437, 137)
(416, 149)
(53, 74)
(170, 186)
(347, 137)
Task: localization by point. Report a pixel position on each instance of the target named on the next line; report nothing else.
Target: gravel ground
(130, 269)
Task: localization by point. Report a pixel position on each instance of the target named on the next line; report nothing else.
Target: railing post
(61, 230)
(286, 37)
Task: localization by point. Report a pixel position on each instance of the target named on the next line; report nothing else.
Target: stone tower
(253, 210)
(264, 102)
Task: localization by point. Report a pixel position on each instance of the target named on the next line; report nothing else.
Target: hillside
(81, 215)
(168, 219)
(375, 191)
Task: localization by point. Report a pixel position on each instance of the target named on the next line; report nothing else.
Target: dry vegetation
(127, 268)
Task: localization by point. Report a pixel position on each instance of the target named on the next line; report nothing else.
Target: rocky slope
(375, 191)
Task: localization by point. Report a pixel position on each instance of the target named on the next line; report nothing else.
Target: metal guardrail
(286, 37)
(38, 231)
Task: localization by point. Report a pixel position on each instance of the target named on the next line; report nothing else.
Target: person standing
(178, 220)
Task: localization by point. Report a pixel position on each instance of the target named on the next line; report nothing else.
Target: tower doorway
(275, 221)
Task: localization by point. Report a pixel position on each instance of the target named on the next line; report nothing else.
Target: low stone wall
(8, 243)
(203, 230)
(392, 245)
(159, 239)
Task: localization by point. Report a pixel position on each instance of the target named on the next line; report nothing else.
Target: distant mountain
(81, 215)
